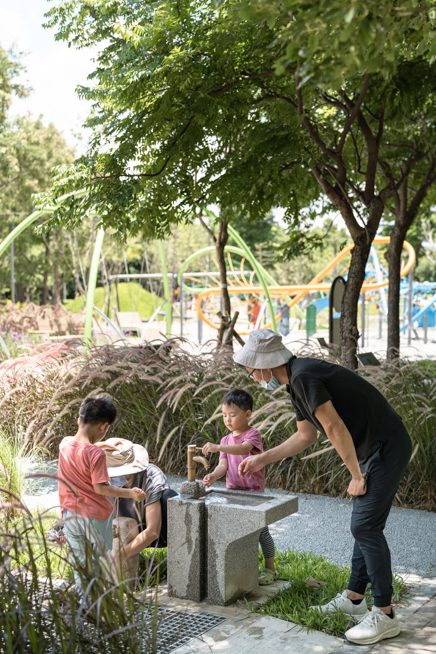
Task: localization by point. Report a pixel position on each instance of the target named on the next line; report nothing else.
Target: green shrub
(131, 297)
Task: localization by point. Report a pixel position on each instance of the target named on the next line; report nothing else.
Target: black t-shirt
(367, 415)
(153, 482)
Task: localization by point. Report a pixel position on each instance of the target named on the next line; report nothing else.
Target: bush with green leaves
(169, 397)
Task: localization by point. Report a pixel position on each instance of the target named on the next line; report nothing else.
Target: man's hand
(210, 447)
(137, 494)
(249, 465)
(208, 480)
(357, 487)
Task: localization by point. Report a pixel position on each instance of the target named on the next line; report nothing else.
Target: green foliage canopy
(176, 122)
(194, 105)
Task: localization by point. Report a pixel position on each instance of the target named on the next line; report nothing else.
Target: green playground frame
(243, 251)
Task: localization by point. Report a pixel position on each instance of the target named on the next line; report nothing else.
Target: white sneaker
(341, 602)
(376, 626)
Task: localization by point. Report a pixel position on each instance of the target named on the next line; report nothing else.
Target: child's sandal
(267, 577)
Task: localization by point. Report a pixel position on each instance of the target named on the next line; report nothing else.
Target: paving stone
(261, 634)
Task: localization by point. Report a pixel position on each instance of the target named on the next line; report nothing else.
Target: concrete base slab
(256, 634)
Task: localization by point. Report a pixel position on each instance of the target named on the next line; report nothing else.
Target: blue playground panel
(321, 303)
(431, 318)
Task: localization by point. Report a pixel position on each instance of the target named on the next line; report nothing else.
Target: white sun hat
(264, 349)
(128, 460)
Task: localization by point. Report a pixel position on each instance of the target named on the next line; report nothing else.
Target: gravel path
(321, 525)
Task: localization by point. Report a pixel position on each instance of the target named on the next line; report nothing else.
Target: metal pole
(425, 327)
(363, 319)
(92, 282)
(200, 330)
(409, 331)
(181, 304)
(380, 324)
(12, 273)
(167, 294)
(367, 320)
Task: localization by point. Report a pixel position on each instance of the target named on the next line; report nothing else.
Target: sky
(53, 70)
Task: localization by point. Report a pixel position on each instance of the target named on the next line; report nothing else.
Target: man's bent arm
(301, 440)
(339, 437)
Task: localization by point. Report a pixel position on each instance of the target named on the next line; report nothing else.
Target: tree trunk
(44, 295)
(56, 282)
(350, 301)
(220, 243)
(394, 260)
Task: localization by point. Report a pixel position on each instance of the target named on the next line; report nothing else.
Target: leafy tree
(10, 68)
(194, 105)
(165, 160)
(29, 151)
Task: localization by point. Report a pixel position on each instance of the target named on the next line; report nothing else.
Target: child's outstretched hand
(137, 494)
(209, 447)
(208, 480)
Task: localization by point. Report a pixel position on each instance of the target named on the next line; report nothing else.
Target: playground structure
(246, 287)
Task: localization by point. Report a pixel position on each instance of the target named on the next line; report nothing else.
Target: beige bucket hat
(264, 349)
(130, 458)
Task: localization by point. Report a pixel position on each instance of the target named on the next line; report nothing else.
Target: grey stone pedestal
(213, 541)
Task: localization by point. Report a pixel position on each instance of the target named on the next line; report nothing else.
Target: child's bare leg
(269, 563)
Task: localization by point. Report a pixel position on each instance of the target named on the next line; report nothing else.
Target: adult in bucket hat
(128, 464)
(373, 443)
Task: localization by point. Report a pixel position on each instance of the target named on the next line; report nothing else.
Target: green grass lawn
(136, 298)
(292, 603)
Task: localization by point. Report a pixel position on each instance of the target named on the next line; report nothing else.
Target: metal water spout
(192, 458)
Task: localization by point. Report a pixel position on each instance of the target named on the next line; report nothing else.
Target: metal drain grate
(166, 628)
(178, 628)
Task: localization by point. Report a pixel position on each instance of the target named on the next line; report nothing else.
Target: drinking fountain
(213, 538)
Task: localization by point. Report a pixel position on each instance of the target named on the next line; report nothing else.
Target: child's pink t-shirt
(256, 482)
(82, 465)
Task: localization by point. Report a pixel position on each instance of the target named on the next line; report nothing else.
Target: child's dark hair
(97, 409)
(238, 397)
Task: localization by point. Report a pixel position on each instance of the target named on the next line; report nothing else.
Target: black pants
(371, 556)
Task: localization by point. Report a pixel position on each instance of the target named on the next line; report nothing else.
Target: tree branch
(206, 227)
(254, 44)
(339, 202)
(353, 115)
(217, 92)
(372, 148)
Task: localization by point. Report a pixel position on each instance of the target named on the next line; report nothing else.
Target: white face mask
(118, 481)
(271, 385)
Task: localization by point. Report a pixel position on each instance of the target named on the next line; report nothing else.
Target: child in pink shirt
(234, 448)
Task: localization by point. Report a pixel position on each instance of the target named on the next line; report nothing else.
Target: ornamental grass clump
(169, 397)
(43, 614)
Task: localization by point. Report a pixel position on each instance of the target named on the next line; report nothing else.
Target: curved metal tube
(202, 460)
(92, 282)
(109, 321)
(258, 270)
(300, 290)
